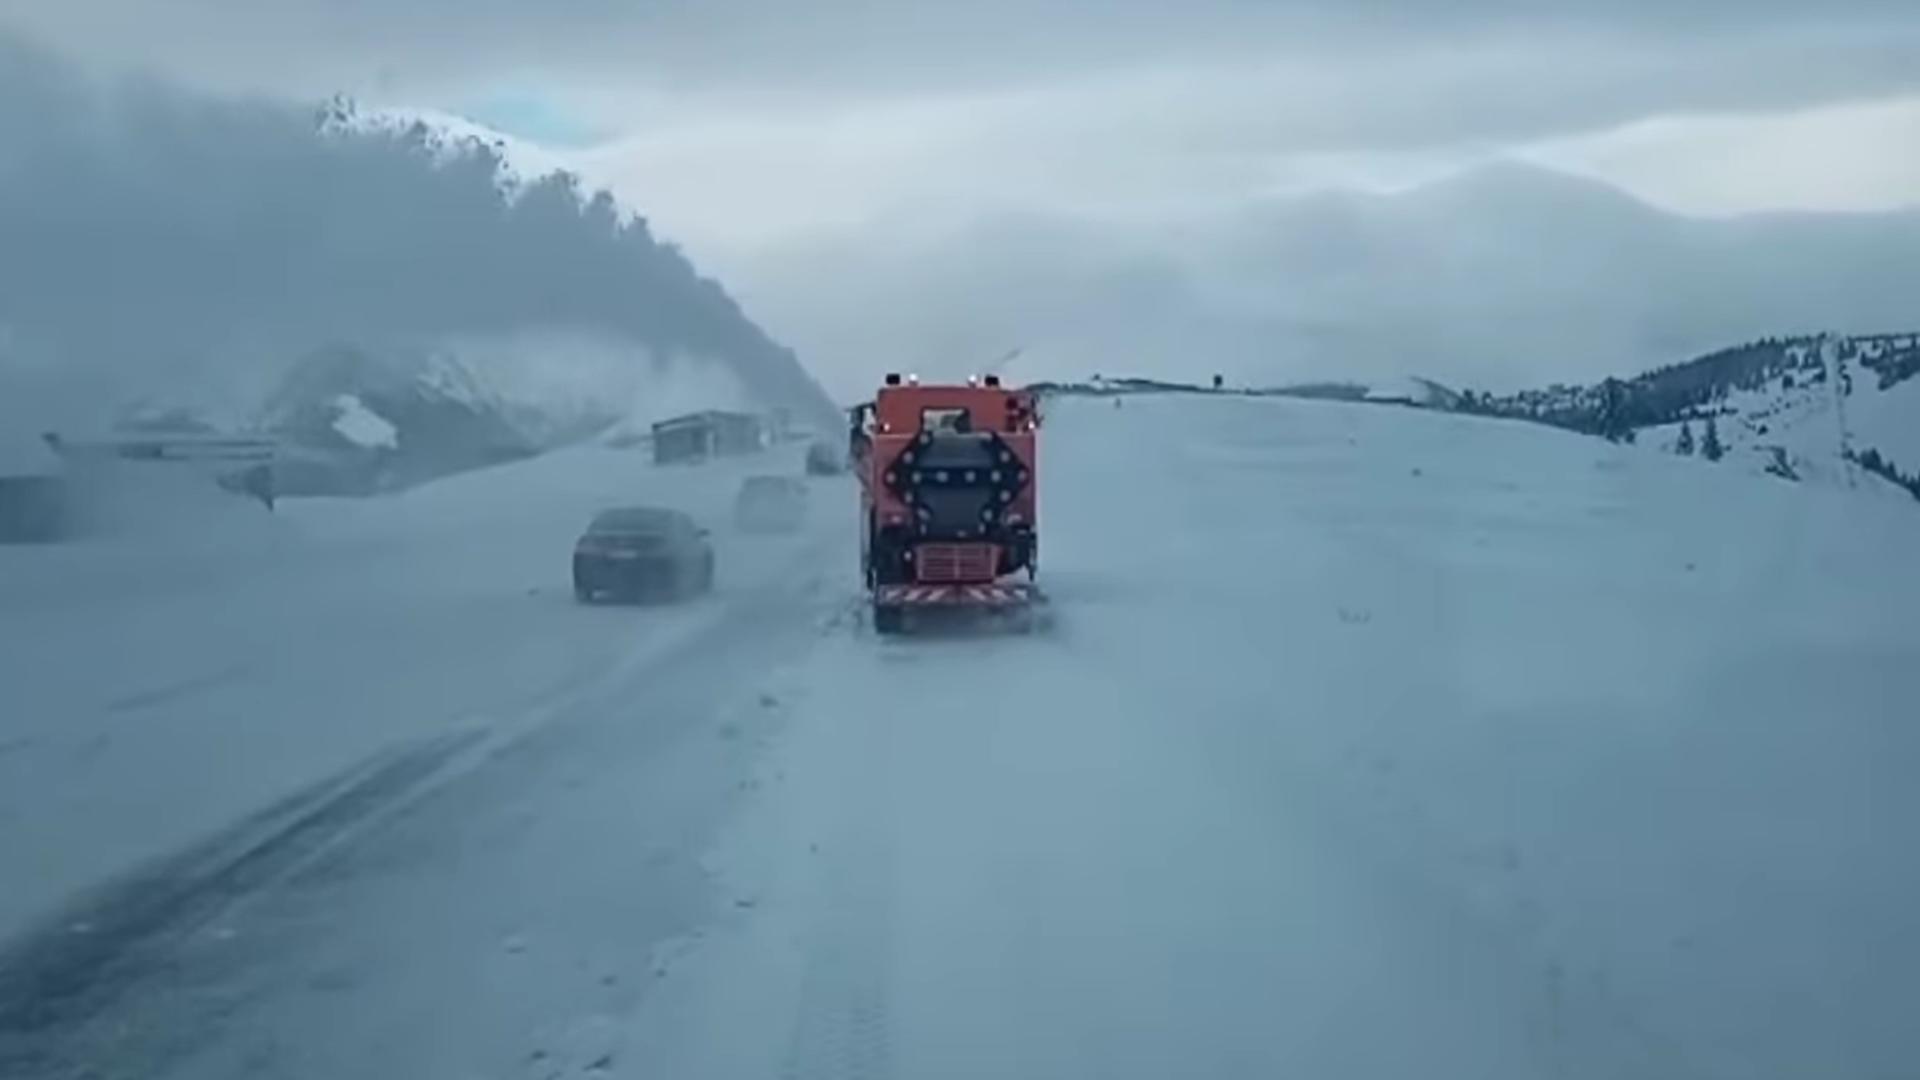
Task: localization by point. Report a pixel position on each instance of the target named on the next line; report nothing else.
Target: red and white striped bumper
(994, 595)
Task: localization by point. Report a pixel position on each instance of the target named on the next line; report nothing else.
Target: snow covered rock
(354, 421)
(362, 426)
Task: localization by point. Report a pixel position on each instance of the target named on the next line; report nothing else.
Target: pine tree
(1710, 447)
(1609, 424)
(1684, 445)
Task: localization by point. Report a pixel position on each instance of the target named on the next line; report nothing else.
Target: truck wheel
(889, 619)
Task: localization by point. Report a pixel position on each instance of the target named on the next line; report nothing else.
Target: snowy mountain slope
(446, 136)
(1367, 743)
(1804, 408)
(352, 421)
(759, 374)
(240, 239)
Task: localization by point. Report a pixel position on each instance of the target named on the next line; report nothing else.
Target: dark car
(642, 552)
(771, 504)
(824, 460)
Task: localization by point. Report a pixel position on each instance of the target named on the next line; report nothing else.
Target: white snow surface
(1889, 421)
(362, 426)
(1364, 743)
(1410, 746)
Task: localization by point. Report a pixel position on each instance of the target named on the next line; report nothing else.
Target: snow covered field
(1368, 742)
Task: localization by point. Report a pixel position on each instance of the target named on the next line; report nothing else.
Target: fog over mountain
(1506, 275)
(160, 242)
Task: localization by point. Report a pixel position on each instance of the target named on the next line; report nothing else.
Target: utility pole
(1842, 382)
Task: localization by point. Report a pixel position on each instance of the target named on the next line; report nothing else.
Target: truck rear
(948, 478)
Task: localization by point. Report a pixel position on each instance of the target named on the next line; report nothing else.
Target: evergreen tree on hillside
(1710, 447)
(1609, 420)
(1684, 445)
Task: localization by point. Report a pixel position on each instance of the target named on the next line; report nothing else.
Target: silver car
(771, 504)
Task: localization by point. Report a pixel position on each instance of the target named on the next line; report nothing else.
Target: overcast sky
(730, 121)
(788, 144)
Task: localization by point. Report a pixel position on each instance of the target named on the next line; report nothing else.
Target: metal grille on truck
(955, 562)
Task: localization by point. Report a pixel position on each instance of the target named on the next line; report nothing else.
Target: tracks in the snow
(171, 968)
(842, 1028)
(79, 964)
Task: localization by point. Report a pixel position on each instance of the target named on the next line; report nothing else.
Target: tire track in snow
(178, 1003)
(176, 690)
(87, 958)
(842, 1028)
(842, 1031)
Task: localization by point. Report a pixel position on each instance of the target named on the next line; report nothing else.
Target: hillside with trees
(1816, 405)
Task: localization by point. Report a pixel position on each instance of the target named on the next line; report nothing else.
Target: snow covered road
(1367, 743)
(201, 710)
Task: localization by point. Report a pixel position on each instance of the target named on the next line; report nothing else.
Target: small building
(33, 491)
(702, 435)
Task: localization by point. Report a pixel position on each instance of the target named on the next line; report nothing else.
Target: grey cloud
(1498, 90)
(1161, 139)
(1710, 53)
(150, 238)
(1505, 276)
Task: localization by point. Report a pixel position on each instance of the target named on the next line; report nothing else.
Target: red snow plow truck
(947, 486)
